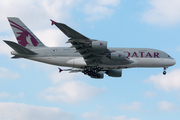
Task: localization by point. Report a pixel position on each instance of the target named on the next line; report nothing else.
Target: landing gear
(92, 71)
(164, 72)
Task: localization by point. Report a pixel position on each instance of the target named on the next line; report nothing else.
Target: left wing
(70, 70)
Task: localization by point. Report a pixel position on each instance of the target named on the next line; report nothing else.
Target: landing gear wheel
(95, 68)
(164, 73)
(85, 72)
(99, 69)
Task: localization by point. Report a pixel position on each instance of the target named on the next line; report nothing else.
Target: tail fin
(23, 35)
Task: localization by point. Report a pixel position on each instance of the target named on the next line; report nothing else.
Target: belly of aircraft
(79, 62)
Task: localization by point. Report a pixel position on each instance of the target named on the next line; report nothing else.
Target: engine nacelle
(118, 56)
(99, 75)
(99, 45)
(114, 73)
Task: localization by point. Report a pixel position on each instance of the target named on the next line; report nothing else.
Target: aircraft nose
(173, 62)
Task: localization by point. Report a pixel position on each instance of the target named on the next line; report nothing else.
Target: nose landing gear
(164, 72)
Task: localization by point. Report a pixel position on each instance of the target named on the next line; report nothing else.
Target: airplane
(89, 56)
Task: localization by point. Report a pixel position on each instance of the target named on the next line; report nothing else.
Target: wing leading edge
(69, 32)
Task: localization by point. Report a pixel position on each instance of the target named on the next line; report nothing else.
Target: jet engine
(99, 45)
(114, 73)
(117, 56)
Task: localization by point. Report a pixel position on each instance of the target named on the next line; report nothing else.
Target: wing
(93, 51)
(69, 32)
(84, 45)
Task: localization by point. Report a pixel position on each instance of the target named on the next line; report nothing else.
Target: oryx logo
(101, 44)
(24, 38)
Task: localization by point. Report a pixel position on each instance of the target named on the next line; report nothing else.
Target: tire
(164, 73)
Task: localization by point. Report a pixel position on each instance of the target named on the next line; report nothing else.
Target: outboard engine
(98, 45)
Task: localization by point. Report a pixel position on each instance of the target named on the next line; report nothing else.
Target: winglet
(60, 70)
(52, 22)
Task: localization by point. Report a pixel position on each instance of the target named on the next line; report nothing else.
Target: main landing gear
(92, 71)
(164, 72)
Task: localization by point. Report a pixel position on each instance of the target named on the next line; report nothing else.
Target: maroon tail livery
(23, 35)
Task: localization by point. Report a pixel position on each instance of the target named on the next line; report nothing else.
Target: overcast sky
(36, 91)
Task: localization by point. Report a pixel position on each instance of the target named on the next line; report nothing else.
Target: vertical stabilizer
(24, 35)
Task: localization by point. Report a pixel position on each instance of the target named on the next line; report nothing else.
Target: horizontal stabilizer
(19, 49)
(69, 32)
(16, 56)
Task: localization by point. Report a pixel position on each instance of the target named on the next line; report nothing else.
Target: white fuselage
(142, 57)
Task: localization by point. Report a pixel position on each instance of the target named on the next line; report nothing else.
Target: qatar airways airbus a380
(89, 56)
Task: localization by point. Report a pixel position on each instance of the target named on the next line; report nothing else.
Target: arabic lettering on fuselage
(142, 54)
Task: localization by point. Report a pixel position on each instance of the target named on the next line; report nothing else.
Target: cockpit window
(169, 56)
